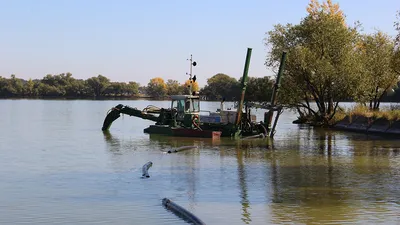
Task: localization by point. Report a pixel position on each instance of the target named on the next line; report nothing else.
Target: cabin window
(187, 105)
(178, 104)
(174, 104)
(196, 105)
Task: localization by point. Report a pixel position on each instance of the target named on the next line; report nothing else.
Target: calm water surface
(58, 167)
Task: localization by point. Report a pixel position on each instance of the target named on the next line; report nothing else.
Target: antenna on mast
(192, 80)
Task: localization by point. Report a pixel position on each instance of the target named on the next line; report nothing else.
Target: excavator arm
(146, 114)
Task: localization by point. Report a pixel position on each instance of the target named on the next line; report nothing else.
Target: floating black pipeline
(183, 148)
(181, 212)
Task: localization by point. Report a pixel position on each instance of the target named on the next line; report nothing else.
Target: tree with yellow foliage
(315, 9)
(187, 84)
(157, 88)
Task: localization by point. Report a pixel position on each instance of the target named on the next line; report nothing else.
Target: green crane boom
(146, 114)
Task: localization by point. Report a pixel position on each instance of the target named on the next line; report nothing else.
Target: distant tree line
(218, 87)
(64, 85)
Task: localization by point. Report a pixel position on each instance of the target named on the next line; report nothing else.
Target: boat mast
(192, 63)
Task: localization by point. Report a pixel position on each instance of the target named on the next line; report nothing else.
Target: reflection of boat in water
(183, 118)
(188, 132)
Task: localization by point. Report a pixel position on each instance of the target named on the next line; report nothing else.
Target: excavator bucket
(146, 114)
(111, 117)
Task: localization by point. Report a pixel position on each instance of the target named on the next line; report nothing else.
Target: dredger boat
(183, 118)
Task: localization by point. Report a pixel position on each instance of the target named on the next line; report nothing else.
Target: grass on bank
(392, 114)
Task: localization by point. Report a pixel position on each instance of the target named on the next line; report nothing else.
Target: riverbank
(365, 124)
(361, 119)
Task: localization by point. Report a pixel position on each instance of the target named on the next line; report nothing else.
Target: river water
(58, 167)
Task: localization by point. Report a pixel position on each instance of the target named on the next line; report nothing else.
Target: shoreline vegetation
(359, 110)
(65, 86)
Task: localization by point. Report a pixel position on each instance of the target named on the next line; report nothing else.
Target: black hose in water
(183, 148)
(181, 212)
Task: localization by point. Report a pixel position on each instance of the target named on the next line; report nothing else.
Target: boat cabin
(185, 104)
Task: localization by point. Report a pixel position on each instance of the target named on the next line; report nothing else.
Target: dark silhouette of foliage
(66, 86)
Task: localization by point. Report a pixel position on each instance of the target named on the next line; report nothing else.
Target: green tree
(321, 63)
(132, 88)
(53, 85)
(116, 89)
(221, 86)
(142, 90)
(173, 87)
(3, 85)
(259, 89)
(46, 90)
(70, 85)
(30, 89)
(378, 52)
(77, 88)
(18, 84)
(11, 87)
(98, 85)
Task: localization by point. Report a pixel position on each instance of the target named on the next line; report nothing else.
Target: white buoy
(145, 169)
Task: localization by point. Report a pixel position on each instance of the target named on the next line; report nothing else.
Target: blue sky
(129, 40)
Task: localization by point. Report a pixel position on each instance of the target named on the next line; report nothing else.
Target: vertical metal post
(190, 75)
(244, 85)
(269, 115)
(272, 132)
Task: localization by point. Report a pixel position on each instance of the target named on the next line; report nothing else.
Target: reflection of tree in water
(254, 144)
(307, 181)
(373, 159)
(324, 180)
(243, 188)
(375, 146)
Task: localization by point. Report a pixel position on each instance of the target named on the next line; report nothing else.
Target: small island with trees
(330, 61)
